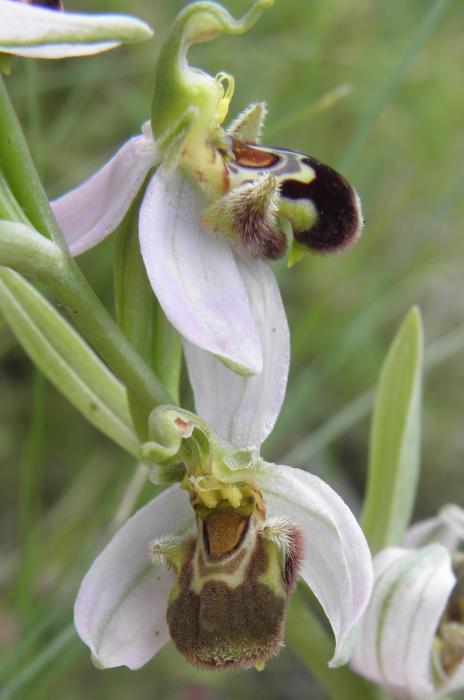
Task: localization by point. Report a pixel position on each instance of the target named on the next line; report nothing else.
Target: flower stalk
(66, 281)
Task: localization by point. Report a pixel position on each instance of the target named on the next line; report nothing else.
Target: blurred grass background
(372, 88)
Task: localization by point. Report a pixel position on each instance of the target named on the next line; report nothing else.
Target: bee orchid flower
(41, 29)
(211, 562)
(215, 196)
(412, 635)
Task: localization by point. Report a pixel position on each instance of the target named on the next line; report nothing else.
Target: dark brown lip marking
(338, 221)
(49, 4)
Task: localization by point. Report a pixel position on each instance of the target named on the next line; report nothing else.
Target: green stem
(92, 319)
(310, 642)
(167, 353)
(20, 171)
(67, 280)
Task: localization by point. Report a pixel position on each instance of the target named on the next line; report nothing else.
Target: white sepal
(447, 528)
(243, 410)
(337, 564)
(91, 211)
(37, 32)
(194, 275)
(410, 593)
(120, 611)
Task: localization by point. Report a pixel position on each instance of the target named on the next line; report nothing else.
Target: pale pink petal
(411, 589)
(447, 528)
(38, 32)
(195, 275)
(244, 409)
(91, 211)
(337, 564)
(121, 605)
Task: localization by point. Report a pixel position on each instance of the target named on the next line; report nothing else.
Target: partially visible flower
(41, 30)
(412, 635)
(228, 545)
(215, 197)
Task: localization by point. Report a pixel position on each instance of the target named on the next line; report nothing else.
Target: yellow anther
(224, 102)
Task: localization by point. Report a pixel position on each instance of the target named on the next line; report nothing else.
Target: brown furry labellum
(227, 609)
(265, 185)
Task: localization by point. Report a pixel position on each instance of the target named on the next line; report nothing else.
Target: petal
(121, 605)
(195, 275)
(244, 409)
(27, 30)
(410, 593)
(337, 563)
(447, 528)
(94, 209)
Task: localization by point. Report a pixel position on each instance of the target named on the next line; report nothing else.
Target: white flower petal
(121, 605)
(244, 409)
(447, 528)
(91, 211)
(410, 593)
(38, 32)
(337, 563)
(195, 275)
(59, 50)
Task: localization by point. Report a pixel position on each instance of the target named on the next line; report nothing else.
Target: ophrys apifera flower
(216, 195)
(412, 635)
(228, 542)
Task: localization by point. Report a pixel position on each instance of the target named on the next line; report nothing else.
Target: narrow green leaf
(394, 445)
(135, 305)
(66, 360)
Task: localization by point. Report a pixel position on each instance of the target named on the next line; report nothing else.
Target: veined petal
(410, 593)
(27, 30)
(195, 275)
(447, 528)
(88, 213)
(121, 605)
(337, 563)
(244, 409)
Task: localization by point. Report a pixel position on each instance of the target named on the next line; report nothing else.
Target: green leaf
(66, 360)
(394, 445)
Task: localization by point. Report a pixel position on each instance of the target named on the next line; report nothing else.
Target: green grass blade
(394, 446)
(54, 648)
(434, 13)
(66, 360)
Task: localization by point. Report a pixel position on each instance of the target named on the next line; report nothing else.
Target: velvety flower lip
(122, 603)
(196, 276)
(121, 606)
(37, 32)
(402, 629)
